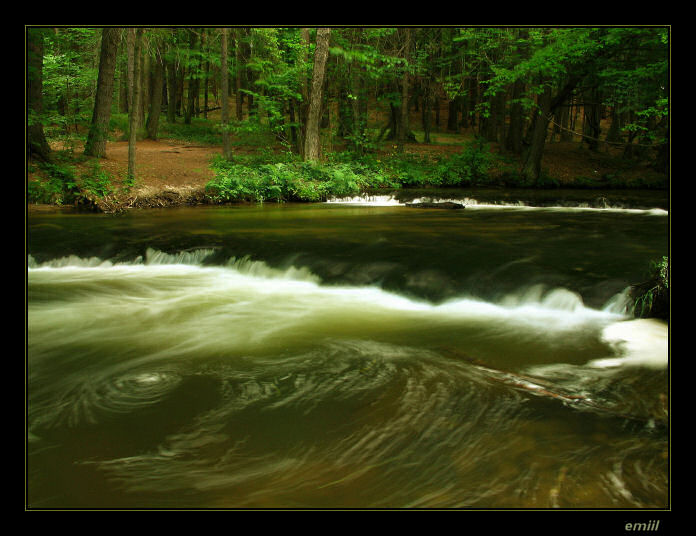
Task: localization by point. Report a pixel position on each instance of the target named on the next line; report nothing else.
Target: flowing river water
(344, 354)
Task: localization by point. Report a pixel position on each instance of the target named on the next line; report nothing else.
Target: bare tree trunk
(403, 127)
(152, 124)
(425, 114)
(592, 128)
(144, 90)
(171, 90)
(304, 92)
(123, 86)
(192, 81)
(96, 138)
(134, 102)
(532, 165)
(224, 94)
(37, 146)
(238, 73)
(207, 75)
(312, 141)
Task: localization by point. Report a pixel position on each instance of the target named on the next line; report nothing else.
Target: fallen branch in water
(543, 388)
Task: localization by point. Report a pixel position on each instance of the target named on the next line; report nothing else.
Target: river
(346, 355)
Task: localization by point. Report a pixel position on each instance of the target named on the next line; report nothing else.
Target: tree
(403, 124)
(321, 52)
(96, 138)
(134, 100)
(193, 77)
(152, 123)
(37, 146)
(224, 76)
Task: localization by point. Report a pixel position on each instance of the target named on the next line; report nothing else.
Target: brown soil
(162, 164)
(170, 172)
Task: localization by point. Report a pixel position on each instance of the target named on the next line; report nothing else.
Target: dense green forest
(333, 111)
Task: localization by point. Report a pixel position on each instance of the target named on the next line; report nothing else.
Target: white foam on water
(472, 203)
(642, 342)
(366, 200)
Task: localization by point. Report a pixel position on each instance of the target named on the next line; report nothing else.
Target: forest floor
(173, 172)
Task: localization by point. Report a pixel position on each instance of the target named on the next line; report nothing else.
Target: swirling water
(344, 356)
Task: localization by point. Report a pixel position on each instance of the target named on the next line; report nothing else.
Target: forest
(312, 113)
(360, 267)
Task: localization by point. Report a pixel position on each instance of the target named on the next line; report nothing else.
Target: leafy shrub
(57, 185)
(96, 181)
(651, 298)
(282, 181)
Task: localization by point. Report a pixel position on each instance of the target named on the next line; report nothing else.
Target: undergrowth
(69, 180)
(651, 298)
(283, 177)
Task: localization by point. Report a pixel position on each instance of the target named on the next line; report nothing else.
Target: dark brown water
(337, 355)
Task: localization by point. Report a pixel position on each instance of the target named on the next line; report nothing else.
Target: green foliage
(651, 299)
(467, 168)
(57, 185)
(282, 181)
(251, 178)
(95, 181)
(69, 76)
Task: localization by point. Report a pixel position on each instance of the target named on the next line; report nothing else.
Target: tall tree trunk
(144, 102)
(453, 115)
(403, 127)
(238, 73)
(37, 146)
(304, 92)
(123, 87)
(224, 93)
(206, 78)
(96, 138)
(134, 102)
(312, 150)
(130, 47)
(592, 128)
(426, 111)
(192, 79)
(532, 166)
(547, 105)
(152, 124)
(171, 90)
(566, 134)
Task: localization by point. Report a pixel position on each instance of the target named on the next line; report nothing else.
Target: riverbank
(173, 172)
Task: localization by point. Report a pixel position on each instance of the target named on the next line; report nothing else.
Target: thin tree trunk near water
(312, 141)
(171, 90)
(152, 123)
(96, 138)
(189, 110)
(224, 94)
(403, 127)
(238, 73)
(134, 102)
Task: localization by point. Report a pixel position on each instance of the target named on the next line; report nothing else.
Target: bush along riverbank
(650, 299)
